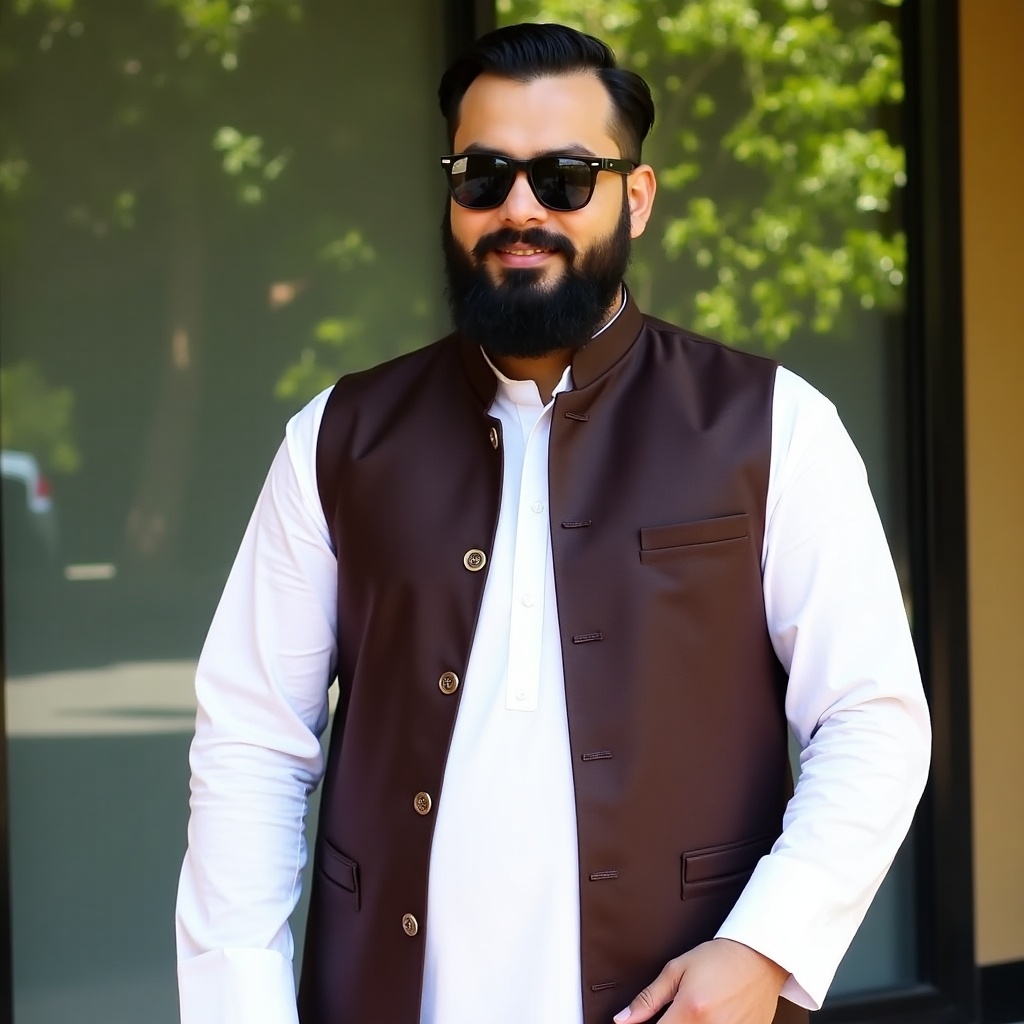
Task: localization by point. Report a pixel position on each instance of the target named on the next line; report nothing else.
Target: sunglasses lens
(480, 181)
(563, 183)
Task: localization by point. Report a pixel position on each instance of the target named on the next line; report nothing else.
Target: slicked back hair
(526, 52)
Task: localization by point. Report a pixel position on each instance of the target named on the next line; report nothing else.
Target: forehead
(546, 114)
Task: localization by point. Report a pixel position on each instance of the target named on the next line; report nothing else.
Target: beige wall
(992, 139)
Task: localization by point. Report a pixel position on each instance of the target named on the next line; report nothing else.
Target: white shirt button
(537, 506)
(528, 601)
(520, 695)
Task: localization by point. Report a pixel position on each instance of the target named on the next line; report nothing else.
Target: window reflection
(777, 162)
(207, 213)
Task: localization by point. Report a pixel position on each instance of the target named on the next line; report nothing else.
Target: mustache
(536, 238)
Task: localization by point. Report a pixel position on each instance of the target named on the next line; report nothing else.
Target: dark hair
(525, 52)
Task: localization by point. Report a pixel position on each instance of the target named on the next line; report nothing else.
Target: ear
(640, 188)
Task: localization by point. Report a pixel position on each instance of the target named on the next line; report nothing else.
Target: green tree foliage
(164, 69)
(777, 167)
(37, 417)
(334, 337)
(185, 136)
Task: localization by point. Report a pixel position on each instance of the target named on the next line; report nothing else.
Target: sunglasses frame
(595, 165)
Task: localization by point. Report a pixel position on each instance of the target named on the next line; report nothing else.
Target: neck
(546, 370)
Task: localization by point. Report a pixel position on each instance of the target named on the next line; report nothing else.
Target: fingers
(659, 993)
(718, 982)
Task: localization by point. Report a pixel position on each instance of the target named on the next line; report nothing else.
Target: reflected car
(30, 535)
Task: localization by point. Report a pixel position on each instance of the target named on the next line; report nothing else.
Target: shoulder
(367, 404)
(719, 382)
(796, 404)
(304, 426)
(703, 350)
(714, 374)
(803, 419)
(395, 374)
(300, 443)
(811, 448)
(361, 390)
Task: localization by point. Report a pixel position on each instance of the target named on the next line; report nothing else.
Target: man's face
(538, 271)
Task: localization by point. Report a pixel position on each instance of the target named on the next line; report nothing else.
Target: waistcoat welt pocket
(713, 868)
(341, 870)
(703, 531)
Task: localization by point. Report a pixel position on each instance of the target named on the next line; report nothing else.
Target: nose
(521, 206)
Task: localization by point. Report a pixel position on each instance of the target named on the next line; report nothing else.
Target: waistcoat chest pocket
(656, 541)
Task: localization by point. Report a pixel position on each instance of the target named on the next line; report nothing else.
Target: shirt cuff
(237, 986)
(788, 912)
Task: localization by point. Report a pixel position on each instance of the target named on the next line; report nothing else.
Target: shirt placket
(526, 620)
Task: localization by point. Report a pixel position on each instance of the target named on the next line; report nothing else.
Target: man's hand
(717, 982)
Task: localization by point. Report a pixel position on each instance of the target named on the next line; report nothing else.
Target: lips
(519, 248)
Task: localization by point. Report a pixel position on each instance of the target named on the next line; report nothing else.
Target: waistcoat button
(422, 802)
(494, 437)
(449, 682)
(474, 560)
(410, 925)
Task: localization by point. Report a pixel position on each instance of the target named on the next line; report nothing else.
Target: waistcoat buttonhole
(587, 638)
(597, 755)
(603, 985)
(576, 524)
(580, 417)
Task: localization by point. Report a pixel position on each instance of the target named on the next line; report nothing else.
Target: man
(574, 569)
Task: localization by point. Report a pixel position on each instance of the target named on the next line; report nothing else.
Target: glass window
(778, 227)
(209, 211)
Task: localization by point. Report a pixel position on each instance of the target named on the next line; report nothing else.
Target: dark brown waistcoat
(658, 472)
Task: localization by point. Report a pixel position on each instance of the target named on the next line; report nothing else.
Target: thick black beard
(520, 316)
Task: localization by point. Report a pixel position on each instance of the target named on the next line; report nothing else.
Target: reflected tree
(37, 417)
(258, 187)
(776, 162)
(180, 141)
(157, 70)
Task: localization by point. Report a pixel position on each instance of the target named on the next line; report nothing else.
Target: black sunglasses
(482, 181)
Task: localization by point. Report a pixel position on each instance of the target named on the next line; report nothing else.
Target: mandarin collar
(525, 392)
(589, 363)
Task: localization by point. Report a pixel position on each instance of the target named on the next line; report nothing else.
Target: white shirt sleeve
(854, 700)
(261, 688)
